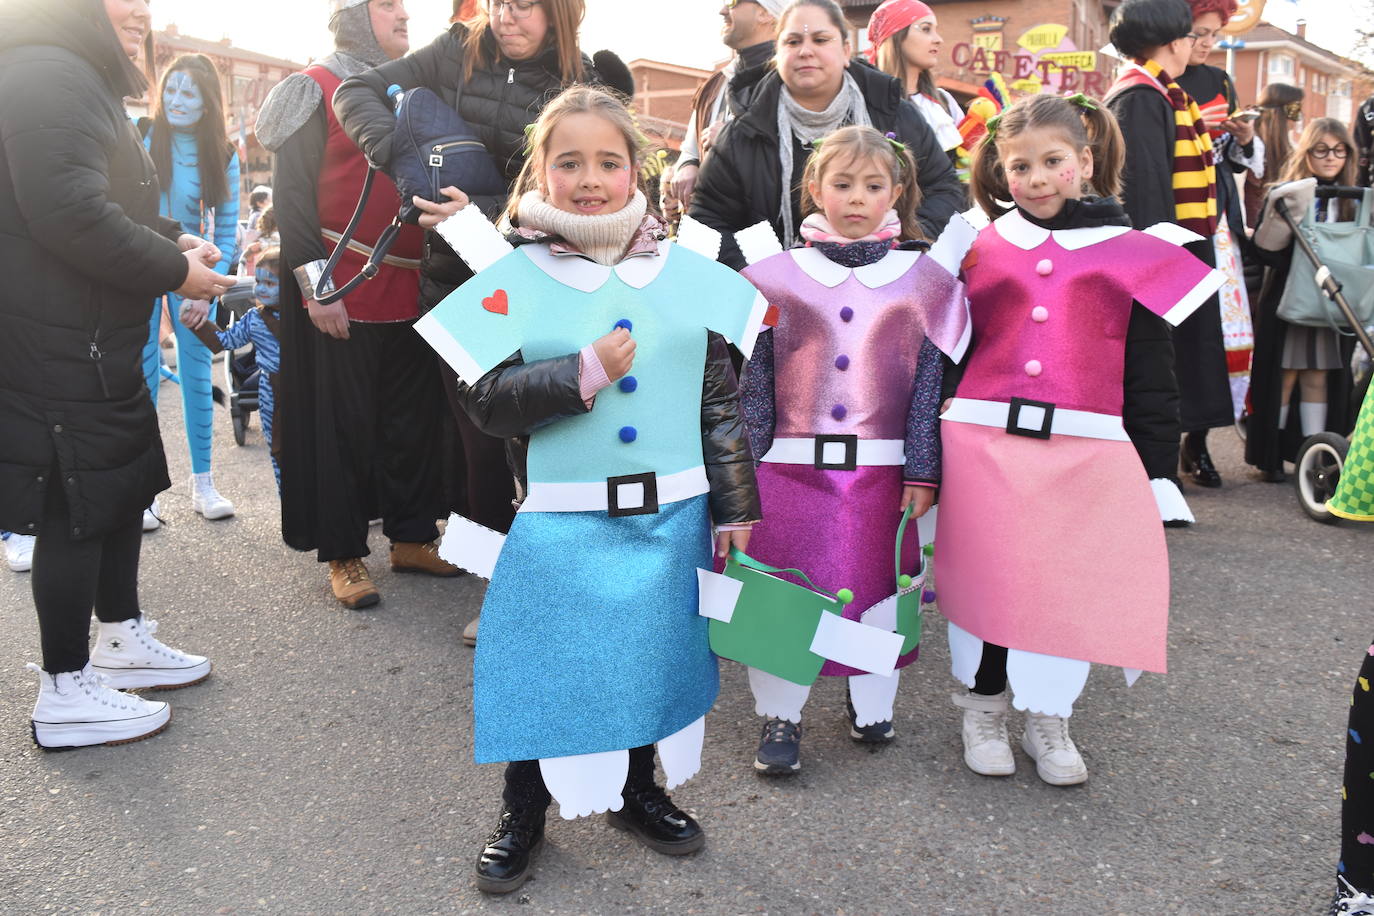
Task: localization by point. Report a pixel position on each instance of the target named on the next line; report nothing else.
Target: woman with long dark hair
(83, 249)
(1280, 108)
(906, 44)
(199, 172)
(755, 168)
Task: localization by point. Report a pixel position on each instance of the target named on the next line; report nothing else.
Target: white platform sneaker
(152, 516)
(1057, 760)
(131, 657)
(987, 749)
(206, 500)
(19, 551)
(78, 709)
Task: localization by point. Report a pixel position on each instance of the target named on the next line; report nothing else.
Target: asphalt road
(326, 766)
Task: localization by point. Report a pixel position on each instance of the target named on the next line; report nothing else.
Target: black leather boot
(1197, 463)
(650, 815)
(504, 863)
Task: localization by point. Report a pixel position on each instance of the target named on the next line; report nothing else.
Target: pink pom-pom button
(1045, 267)
(1033, 368)
(1040, 314)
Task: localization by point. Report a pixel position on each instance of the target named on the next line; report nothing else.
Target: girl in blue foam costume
(199, 171)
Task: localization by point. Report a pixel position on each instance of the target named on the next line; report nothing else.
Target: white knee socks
(1313, 418)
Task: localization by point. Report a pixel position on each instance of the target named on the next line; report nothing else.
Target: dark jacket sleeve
(942, 194)
(756, 398)
(1147, 124)
(1149, 409)
(725, 440)
(57, 130)
(721, 199)
(361, 103)
(517, 397)
(1364, 140)
(922, 445)
(295, 176)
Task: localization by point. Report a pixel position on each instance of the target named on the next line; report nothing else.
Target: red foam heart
(497, 302)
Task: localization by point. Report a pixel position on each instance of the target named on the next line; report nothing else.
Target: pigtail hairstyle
(212, 149)
(574, 100)
(856, 144)
(1082, 121)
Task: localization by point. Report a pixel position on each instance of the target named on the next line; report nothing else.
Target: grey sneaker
(873, 733)
(779, 748)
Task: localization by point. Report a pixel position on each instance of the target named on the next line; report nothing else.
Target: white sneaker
(152, 516)
(987, 749)
(206, 500)
(131, 657)
(19, 551)
(1047, 741)
(78, 709)
(1350, 902)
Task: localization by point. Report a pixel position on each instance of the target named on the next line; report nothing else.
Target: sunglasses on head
(1293, 111)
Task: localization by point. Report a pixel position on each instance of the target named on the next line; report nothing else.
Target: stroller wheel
(1317, 472)
(240, 426)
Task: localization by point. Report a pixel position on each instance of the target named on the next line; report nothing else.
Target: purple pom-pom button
(628, 434)
(842, 362)
(846, 314)
(927, 596)
(628, 384)
(838, 411)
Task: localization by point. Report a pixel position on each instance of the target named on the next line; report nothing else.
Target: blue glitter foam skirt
(590, 638)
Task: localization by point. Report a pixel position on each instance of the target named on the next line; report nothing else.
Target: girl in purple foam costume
(842, 400)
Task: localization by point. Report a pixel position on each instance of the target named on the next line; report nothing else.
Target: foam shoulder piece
(586, 784)
(1045, 683)
(470, 545)
(472, 236)
(699, 237)
(953, 244)
(775, 697)
(757, 242)
(1173, 233)
(680, 753)
(1172, 506)
(872, 696)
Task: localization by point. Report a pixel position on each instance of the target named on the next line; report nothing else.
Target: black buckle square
(851, 453)
(1014, 415)
(613, 484)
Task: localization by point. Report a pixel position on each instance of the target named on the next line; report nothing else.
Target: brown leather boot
(408, 557)
(351, 583)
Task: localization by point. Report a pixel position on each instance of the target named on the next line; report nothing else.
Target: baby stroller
(1321, 457)
(240, 366)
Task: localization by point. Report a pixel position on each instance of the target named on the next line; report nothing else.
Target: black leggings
(525, 784)
(72, 577)
(1357, 806)
(991, 678)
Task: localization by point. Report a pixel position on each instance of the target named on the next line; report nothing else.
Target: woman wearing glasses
(1289, 358)
(498, 69)
(1170, 177)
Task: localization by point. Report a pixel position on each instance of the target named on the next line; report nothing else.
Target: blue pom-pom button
(625, 323)
(846, 314)
(628, 384)
(628, 434)
(842, 362)
(838, 411)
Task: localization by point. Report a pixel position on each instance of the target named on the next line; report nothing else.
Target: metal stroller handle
(1345, 192)
(1330, 286)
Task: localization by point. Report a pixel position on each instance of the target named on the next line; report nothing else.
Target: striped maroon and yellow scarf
(1195, 173)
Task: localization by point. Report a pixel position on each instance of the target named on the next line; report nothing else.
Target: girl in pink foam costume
(1049, 551)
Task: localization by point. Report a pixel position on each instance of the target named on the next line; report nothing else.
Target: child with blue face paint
(199, 173)
(260, 327)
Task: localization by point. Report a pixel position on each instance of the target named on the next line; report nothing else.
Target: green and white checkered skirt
(1354, 497)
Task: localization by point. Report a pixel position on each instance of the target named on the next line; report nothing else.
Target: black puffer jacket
(83, 253)
(740, 184)
(499, 101)
(517, 398)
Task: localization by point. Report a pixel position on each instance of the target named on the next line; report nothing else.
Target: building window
(1280, 66)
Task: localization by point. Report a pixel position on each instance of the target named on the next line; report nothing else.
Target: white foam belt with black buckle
(837, 452)
(1036, 419)
(630, 494)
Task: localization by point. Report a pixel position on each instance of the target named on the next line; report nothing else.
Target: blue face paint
(182, 101)
(266, 287)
